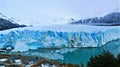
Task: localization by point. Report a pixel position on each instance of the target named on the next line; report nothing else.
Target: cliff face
(60, 36)
(6, 24)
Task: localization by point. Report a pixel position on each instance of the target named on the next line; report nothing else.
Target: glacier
(58, 36)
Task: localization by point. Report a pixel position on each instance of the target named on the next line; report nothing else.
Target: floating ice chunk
(18, 61)
(3, 60)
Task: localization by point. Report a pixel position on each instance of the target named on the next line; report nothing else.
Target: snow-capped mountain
(6, 23)
(4, 17)
(111, 19)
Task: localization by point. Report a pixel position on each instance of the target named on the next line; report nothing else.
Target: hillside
(112, 19)
(6, 24)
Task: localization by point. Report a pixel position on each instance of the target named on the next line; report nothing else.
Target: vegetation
(106, 59)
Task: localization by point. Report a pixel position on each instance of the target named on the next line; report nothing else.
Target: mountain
(111, 19)
(6, 23)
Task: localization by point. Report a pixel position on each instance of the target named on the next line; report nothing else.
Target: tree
(106, 59)
(118, 58)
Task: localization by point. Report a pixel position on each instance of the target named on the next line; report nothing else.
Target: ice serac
(59, 36)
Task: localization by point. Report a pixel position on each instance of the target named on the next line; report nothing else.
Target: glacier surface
(58, 36)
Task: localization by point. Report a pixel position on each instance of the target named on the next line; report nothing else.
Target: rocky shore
(17, 60)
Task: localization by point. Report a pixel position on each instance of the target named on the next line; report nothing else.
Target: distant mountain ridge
(6, 23)
(112, 19)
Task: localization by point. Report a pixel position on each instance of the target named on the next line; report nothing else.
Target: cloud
(45, 11)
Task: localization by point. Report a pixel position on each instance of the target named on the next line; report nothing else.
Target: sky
(46, 12)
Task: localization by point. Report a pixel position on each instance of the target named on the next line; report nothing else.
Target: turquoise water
(82, 55)
(73, 55)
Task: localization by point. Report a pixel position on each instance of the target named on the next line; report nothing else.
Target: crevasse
(22, 39)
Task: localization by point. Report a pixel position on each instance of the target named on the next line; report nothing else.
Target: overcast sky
(52, 11)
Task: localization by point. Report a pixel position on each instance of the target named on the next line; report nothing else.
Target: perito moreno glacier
(58, 36)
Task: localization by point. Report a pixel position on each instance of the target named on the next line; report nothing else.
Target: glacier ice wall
(22, 39)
